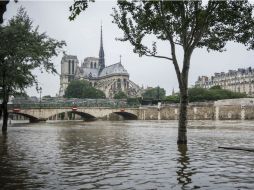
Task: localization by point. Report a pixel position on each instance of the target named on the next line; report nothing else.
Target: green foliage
(82, 89)
(120, 95)
(133, 101)
(202, 94)
(47, 96)
(22, 49)
(154, 93)
(172, 99)
(216, 87)
(21, 94)
(189, 24)
(212, 94)
(77, 7)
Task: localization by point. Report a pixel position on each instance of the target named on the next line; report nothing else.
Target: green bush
(82, 89)
(212, 94)
(202, 94)
(133, 101)
(172, 99)
(154, 93)
(120, 95)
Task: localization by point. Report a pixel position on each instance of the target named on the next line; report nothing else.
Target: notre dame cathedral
(110, 79)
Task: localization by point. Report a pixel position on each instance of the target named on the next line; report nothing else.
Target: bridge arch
(127, 115)
(31, 118)
(84, 115)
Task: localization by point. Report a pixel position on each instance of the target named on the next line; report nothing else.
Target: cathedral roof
(113, 69)
(109, 70)
(89, 58)
(88, 72)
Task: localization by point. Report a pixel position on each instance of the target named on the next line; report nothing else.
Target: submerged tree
(22, 49)
(189, 25)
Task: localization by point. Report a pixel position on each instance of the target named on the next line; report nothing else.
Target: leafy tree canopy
(120, 95)
(202, 94)
(154, 93)
(77, 7)
(172, 99)
(216, 93)
(216, 87)
(82, 89)
(22, 49)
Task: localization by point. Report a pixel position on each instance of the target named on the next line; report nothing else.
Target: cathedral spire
(101, 53)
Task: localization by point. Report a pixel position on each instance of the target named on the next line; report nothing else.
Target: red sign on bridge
(74, 108)
(16, 110)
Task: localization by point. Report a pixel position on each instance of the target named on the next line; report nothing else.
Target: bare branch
(158, 56)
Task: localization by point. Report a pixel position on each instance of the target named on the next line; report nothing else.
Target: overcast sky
(83, 39)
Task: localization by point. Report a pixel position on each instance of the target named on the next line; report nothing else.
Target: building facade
(110, 79)
(241, 80)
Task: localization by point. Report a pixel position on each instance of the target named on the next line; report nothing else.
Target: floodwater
(126, 155)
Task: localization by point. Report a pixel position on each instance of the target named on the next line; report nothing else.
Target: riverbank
(230, 109)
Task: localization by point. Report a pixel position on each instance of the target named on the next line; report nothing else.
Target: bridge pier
(35, 120)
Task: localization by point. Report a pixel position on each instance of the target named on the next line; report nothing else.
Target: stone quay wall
(230, 109)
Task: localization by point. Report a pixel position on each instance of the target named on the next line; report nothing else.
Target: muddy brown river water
(126, 155)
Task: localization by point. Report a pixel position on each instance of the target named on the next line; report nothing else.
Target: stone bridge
(87, 113)
(237, 109)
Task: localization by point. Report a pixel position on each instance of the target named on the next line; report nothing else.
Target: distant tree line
(83, 89)
(202, 95)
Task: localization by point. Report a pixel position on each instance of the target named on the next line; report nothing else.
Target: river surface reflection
(126, 155)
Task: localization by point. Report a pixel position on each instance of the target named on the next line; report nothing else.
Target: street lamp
(158, 93)
(40, 90)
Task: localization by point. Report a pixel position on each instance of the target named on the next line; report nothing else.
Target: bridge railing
(69, 105)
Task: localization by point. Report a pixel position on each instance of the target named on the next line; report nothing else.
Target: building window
(125, 83)
(72, 66)
(94, 64)
(69, 66)
(91, 65)
(118, 83)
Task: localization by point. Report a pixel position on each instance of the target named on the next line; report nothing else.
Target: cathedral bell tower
(101, 54)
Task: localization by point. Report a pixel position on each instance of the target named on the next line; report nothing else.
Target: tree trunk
(182, 122)
(184, 99)
(5, 115)
(3, 5)
(4, 104)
